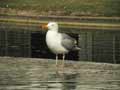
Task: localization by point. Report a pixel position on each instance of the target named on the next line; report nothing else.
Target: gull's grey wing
(68, 42)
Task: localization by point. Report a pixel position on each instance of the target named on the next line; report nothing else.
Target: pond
(98, 46)
(21, 36)
(41, 74)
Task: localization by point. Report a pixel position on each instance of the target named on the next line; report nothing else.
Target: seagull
(59, 43)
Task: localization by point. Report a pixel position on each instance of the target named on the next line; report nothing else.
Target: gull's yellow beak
(44, 27)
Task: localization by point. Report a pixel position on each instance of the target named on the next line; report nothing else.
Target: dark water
(37, 74)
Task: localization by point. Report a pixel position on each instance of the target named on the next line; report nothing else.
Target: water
(39, 74)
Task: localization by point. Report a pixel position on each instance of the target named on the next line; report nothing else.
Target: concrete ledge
(35, 73)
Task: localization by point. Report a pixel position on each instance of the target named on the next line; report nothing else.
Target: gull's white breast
(53, 40)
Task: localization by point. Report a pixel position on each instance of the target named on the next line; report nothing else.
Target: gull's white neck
(53, 29)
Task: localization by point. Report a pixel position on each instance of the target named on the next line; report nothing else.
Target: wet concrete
(41, 74)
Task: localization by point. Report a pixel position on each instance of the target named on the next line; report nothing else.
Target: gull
(59, 43)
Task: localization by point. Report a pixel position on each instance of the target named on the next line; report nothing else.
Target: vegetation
(61, 7)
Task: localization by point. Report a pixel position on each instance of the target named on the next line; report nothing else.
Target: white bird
(59, 43)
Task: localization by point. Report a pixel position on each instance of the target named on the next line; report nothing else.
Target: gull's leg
(63, 61)
(56, 60)
(56, 63)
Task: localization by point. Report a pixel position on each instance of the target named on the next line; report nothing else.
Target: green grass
(66, 7)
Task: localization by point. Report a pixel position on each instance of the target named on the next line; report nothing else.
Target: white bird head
(52, 26)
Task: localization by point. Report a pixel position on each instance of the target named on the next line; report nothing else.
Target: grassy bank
(61, 7)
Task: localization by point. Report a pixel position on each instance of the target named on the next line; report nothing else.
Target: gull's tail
(76, 48)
